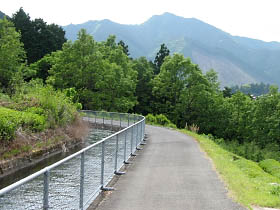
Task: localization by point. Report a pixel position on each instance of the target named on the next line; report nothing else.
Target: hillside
(238, 60)
(2, 15)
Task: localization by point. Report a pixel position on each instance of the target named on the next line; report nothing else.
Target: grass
(247, 182)
(271, 166)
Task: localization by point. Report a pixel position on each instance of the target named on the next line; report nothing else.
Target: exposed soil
(29, 148)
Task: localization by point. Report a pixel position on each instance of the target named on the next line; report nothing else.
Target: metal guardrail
(97, 165)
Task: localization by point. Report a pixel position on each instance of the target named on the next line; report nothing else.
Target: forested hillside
(238, 60)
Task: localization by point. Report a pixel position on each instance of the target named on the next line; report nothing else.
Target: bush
(54, 105)
(151, 119)
(33, 122)
(249, 150)
(159, 120)
(11, 120)
(271, 166)
(35, 107)
(162, 120)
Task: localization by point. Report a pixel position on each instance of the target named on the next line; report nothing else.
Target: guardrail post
(142, 133)
(103, 113)
(120, 121)
(102, 169)
(137, 137)
(125, 145)
(46, 190)
(102, 164)
(116, 157)
(128, 120)
(131, 141)
(112, 116)
(82, 179)
(95, 119)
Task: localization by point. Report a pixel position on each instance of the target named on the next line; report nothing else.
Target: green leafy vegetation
(12, 53)
(37, 98)
(35, 107)
(38, 37)
(247, 182)
(101, 73)
(159, 120)
(11, 120)
(271, 166)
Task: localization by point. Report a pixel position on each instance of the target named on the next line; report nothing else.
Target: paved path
(169, 173)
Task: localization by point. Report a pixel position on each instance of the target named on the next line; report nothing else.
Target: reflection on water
(64, 187)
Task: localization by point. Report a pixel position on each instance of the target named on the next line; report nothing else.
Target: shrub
(11, 120)
(271, 166)
(151, 119)
(34, 122)
(34, 108)
(162, 120)
(54, 105)
(159, 120)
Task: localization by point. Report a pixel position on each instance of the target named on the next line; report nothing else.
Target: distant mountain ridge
(2, 15)
(238, 60)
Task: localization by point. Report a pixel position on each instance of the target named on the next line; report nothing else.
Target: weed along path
(169, 173)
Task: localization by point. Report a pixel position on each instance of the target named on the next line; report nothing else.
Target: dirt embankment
(29, 148)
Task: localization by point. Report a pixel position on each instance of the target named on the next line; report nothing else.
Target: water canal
(64, 179)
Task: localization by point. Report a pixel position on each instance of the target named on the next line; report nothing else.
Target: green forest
(45, 79)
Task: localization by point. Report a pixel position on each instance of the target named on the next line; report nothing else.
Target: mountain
(238, 60)
(2, 15)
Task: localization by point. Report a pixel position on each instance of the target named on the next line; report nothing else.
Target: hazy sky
(259, 19)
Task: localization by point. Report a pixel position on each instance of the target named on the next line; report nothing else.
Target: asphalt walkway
(170, 173)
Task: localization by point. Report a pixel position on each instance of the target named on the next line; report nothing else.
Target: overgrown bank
(36, 120)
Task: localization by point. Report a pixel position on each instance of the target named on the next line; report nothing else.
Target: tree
(12, 54)
(159, 59)
(144, 85)
(42, 66)
(241, 108)
(124, 47)
(170, 84)
(227, 92)
(38, 38)
(266, 121)
(100, 72)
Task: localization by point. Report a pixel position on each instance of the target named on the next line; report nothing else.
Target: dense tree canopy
(144, 85)
(38, 37)
(101, 73)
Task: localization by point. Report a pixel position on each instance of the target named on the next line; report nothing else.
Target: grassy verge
(246, 181)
